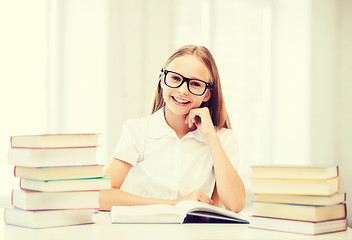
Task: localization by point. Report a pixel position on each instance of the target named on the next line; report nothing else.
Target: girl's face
(180, 100)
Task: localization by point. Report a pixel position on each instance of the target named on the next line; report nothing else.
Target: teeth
(180, 101)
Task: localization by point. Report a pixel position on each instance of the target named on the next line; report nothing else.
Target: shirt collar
(158, 128)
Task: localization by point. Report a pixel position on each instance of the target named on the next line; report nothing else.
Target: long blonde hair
(216, 103)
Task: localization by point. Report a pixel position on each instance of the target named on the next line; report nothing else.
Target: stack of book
(59, 180)
(302, 200)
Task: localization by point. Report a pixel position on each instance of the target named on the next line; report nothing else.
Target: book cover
(37, 157)
(186, 211)
(47, 219)
(296, 186)
(301, 227)
(300, 212)
(54, 141)
(78, 184)
(33, 200)
(55, 173)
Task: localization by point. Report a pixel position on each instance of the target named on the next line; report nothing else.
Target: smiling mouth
(180, 101)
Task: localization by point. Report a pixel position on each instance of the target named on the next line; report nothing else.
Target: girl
(182, 149)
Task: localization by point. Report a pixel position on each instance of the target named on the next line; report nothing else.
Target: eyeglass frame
(187, 80)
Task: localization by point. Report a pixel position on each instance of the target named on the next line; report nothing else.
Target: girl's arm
(118, 171)
(229, 184)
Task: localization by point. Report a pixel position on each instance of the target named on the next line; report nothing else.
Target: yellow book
(302, 227)
(54, 173)
(302, 199)
(296, 186)
(55, 141)
(52, 157)
(47, 219)
(299, 212)
(66, 185)
(292, 172)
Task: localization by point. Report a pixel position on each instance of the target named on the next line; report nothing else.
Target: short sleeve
(130, 146)
(230, 144)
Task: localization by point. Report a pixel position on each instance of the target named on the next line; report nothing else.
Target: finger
(194, 117)
(210, 201)
(204, 198)
(201, 199)
(190, 119)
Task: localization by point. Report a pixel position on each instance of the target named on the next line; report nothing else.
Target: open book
(186, 211)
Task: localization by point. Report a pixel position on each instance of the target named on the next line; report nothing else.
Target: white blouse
(165, 166)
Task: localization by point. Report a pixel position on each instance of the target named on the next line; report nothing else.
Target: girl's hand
(200, 117)
(196, 196)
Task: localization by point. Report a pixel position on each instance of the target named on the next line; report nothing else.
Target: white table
(103, 229)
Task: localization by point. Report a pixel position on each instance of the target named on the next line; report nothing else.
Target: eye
(195, 84)
(176, 78)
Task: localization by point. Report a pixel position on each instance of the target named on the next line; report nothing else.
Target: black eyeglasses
(195, 86)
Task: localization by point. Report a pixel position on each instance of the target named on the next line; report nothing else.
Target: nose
(183, 89)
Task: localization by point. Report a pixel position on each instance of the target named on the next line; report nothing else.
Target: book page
(156, 209)
(158, 213)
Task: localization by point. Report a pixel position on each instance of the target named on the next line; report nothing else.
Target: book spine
(338, 184)
(12, 197)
